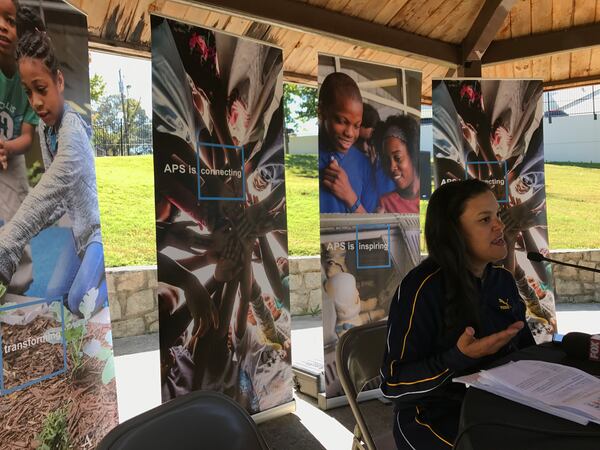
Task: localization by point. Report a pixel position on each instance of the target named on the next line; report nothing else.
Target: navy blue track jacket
(421, 358)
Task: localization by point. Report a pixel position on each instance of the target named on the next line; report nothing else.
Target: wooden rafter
(543, 44)
(305, 17)
(486, 26)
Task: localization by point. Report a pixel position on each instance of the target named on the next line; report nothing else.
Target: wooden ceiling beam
(484, 29)
(543, 44)
(311, 19)
(118, 47)
(572, 82)
(300, 78)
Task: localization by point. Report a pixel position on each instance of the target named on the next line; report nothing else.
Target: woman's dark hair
(409, 127)
(447, 248)
(34, 42)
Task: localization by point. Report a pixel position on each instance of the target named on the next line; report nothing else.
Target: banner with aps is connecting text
(221, 228)
(492, 130)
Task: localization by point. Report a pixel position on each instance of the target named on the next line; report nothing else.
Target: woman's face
(482, 230)
(401, 167)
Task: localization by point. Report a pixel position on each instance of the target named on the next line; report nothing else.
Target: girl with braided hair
(68, 186)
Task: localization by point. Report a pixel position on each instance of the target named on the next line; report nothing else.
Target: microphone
(582, 346)
(535, 256)
(538, 257)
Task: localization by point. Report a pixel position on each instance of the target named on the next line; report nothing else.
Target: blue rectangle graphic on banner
(225, 177)
(499, 185)
(377, 253)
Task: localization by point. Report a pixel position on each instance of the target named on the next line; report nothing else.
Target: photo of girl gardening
(55, 333)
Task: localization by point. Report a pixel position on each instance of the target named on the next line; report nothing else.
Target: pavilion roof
(554, 40)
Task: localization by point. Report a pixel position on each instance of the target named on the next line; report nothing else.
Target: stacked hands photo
(492, 130)
(223, 270)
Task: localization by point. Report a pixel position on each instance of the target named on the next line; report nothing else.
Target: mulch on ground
(91, 405)
(38, 359)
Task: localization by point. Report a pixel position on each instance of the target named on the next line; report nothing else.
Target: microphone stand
(537, 257)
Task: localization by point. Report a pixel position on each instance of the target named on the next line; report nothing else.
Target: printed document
(560, 390)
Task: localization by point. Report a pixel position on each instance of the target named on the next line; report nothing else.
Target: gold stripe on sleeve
(413, 311)
(404, 383)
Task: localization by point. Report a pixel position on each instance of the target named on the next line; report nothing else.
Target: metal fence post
(594, 104)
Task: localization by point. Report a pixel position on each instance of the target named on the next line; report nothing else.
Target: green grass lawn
(125, 186)
(126, 197)
(302, 191)
(573, 205)
(573, 195)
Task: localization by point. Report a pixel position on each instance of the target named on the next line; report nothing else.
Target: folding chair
(359, 356)
(199, 420)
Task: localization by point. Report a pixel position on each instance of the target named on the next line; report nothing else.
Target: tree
(97, 87)
(299, 104)
(109, 124)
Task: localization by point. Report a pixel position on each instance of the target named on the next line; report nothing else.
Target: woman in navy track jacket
(455, 312)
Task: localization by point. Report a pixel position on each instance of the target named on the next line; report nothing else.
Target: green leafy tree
(97, 87)
(299, 104)
(109, 124)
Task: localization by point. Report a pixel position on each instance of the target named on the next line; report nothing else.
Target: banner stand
(326, 403)
(309, 377)
(275, 412)
(505, 149)
(221, 229)
(367, 248)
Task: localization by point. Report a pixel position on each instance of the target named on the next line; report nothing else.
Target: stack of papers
(560, 390)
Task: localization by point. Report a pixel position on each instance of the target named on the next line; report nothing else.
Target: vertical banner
(220, 215)
(368, 193)
(57, 386)
(492, 130)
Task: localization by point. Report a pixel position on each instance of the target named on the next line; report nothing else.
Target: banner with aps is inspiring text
(369, 193)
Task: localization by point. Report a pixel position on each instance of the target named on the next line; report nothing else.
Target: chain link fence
(577, 101)
(136, 139)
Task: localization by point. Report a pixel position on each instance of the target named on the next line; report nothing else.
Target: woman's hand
(475, 348)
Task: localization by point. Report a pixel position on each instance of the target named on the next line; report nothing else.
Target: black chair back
(199, 420)
(359, 356)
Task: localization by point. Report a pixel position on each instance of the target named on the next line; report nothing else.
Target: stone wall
(305, 285)
(133, 304)
(132, 300)
(574, 285)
